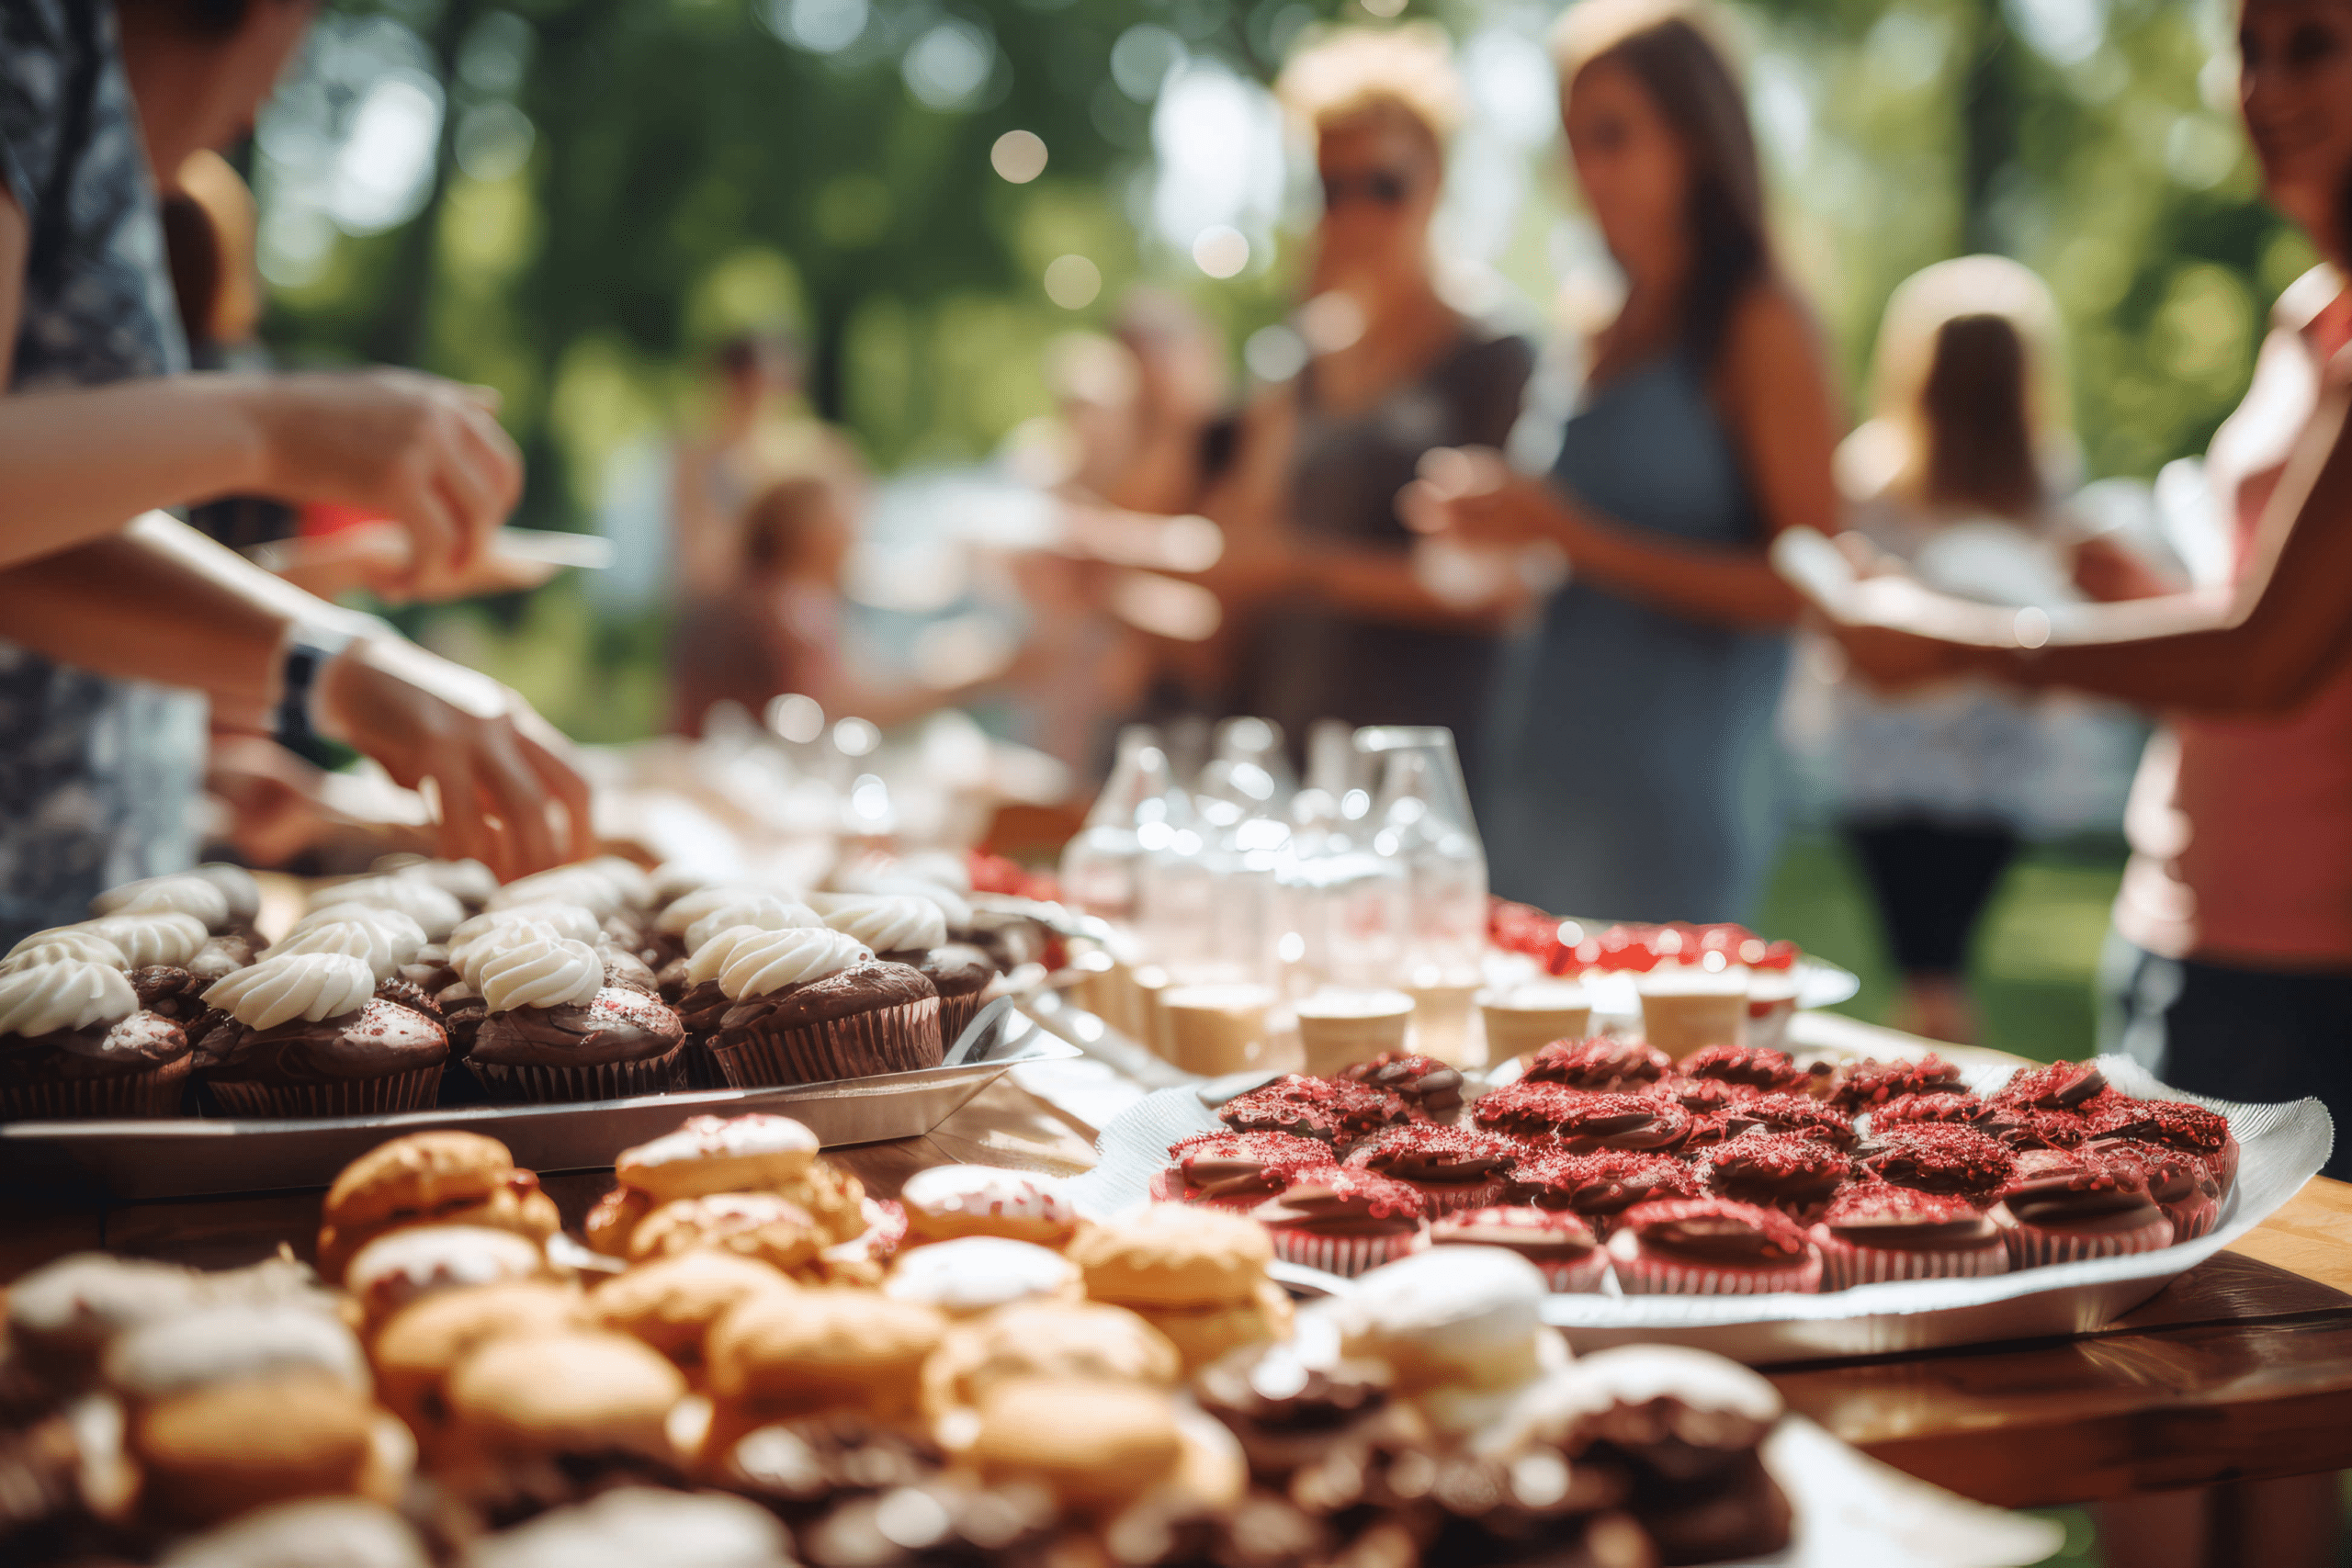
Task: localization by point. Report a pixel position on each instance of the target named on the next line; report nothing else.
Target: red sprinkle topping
(1796, 1113)
(1944, 1158)
(1750, 1066)
(1603, 1062)
(1600, 1183)
(2061, 1086)
(1871, 1082)
(1777, 1159)
(2174, 1123)
(1963, 1109)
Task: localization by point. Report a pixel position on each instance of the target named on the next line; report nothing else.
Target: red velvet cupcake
(1598, 1188)
(1450, 1167)
(1877, 1233)
(1335, 1110)
(1630, 1123)
(1870, 1083)
(1605, 1064)
(1750, 1066)
(2179, 1183)
(1800, 1114)
(2061, 1086)
(1950, 1161)
(2024, 1130)
(1425, 1084)
(1556, 1241)
(2176, 1124)
(2064, 1207)
(1710, 1247)
(1957, 1110)
(1525, 1110)
(1344, 1221)
(1237, 1171)
(1702, 1097)
(1777, 1170)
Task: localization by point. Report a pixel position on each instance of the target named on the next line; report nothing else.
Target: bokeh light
(1221, 251)
(1072, 282)
(1018, 156)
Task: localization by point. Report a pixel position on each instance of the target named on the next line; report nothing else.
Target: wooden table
(2241, 1369)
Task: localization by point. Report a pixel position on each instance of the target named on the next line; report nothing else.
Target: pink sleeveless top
(2241, 829)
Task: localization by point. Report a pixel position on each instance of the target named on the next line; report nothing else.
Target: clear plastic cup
(1339, 1028)
(1525, 1018)
(1686, 1007)
(1215, 1029)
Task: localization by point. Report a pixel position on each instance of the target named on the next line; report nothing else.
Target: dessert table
(2242, 1369)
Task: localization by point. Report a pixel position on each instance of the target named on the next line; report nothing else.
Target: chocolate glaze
(1423, 1082)
(701, 1008)
(2079, 1192)
(958, 969)
(410, 995)
(1605, 1064)
(860, 987)
(1540, 1235)
(1896, 1219)
(618, 1025)
(1337, 1202)
(1730, 1239)
(175, 993)
(1438, 1156)
(137, 1042)
(628, 971)
(380, 1039)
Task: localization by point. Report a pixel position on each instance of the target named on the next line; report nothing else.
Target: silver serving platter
(189, 1157)
(2281, 1146)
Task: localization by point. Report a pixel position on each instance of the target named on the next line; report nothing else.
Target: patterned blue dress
(98, 779)
(1632, 773)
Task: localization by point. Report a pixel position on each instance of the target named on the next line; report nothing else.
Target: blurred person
(1179, 430)
(1962, 468)
(99, 428)
(778, 630)
(1334, 618)
(1632, 775)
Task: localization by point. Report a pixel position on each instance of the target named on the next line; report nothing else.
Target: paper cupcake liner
(513, 1083)
(1453, 1197)
(697, 1067)
(1641, 1273)
(955, 1015)
(900, 1039)
(143, 1095)
(2031, 1246)
(1346, 1255)
(2192, 1217)
(412, 1091)
(1844, 1265)
(1580, 1278)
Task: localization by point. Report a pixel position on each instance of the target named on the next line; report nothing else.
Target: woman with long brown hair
(1631, 772)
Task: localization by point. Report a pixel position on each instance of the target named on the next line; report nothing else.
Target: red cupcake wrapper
(1641, 1273)
(1346, 1255)
(1844, 1265)
(903, 1038)
(130, 1095)
(2033, 1247)
(1453, 1197)
(412, 1091)
(533, 1084)
(1581, 1277)
(2193, 1217)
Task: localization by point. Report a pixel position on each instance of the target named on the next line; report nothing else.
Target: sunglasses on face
(1381, 187)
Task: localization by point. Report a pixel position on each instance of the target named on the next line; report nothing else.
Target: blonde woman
(1343, 624)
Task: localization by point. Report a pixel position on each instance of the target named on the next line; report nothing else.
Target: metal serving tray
(191, 1157)
(2281, 1146)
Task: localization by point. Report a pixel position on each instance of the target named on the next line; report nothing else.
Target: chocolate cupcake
(1953, 1162)
(1958, 1109)
(1337, 1111)
(666, 931)
(1871, 1082)
(1558, 1241)
(481, 933)
(385, 940)
(183, 894)
(1800, 1114)
(2179, 1183)
(149, 939)
(1710, 1247)
(2064, 1207)
(306, 1035)
(1450, 1167)
(2061, 1086)
(2176, 1124)
(1237, 1171)
(903, 928)
(1751, 1066)
(58, 942)
(1601, 1186)
(811, 1005)
(1777, 1170)
(433, 908)
(1586, 1122)
(1876, 1233)
(553, 1031)
(74, 1042)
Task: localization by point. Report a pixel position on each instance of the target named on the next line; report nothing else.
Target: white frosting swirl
(591, 890)
(765, 910)
(468, 958)
(236, 885)
(151, 938)
(183, 894)
(352, 938)
(679, 915)
(747, 961)
(437, 911)
(403, 938)
(889, 922)
(634, 882)
(539, 970)
(312, 985)
(63, 942)
(568, 920)
(471, 882)
(71, 993)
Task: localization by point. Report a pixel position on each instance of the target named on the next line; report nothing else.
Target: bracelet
(309, 647)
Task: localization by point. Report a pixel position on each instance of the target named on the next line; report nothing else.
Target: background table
(2241, 1369)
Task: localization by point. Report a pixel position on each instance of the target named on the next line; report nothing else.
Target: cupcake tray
(192, 1156)
(2281, 1146)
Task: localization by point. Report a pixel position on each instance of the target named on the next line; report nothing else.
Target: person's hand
(1470, 493)
(426, 452)
(1893, 661)
(381, 558)
(495, 765)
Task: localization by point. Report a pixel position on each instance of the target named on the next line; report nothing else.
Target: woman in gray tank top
(1631, 775)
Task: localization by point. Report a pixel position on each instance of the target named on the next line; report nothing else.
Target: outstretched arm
(157, 600)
